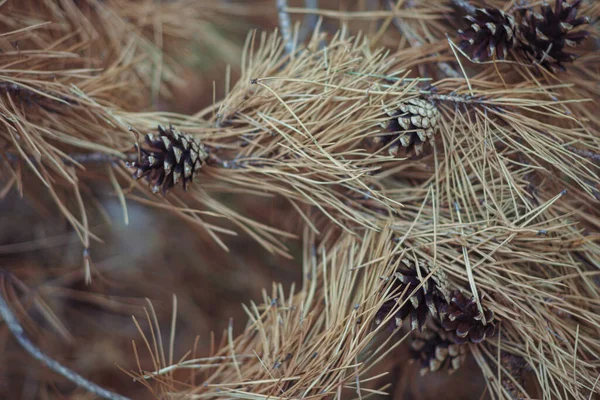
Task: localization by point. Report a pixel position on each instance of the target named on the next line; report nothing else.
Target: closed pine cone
(172, 157)
(544, 36)
(414, 122)
(491, 34)
(435, 350)
(427, 300)
(463, 320)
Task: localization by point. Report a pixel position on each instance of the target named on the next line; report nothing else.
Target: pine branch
(17, 330)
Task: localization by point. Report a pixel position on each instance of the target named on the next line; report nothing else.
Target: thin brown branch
(29, 94)
(80, 158)
(17, 330)
(285, 25)
(444, 67)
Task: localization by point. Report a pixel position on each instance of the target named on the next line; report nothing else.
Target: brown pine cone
(463, 320)
(172, 157)
(491, 33)
(433, 347)
(427, 300)
(544, 36)
(413, 123)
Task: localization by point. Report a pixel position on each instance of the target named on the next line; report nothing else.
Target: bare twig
(80, 158)
(34, 95)
(310, 20)
(285, 25)
(17, 330)
(444, 67)
(584, 153)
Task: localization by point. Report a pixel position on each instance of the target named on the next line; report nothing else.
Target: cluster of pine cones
(443, 320)
(541, 37)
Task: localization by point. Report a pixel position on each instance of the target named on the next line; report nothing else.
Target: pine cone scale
(413, 123)
(421, 302)
(490, 33)
(465, 322)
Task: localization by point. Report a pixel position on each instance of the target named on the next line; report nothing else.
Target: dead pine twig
(465, 5)
(414, 41)
(285, 23)
(584, 153)
(17, 330)
(31, 95)
(79, 158)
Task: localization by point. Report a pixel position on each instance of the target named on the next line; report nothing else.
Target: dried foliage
(318, 342)
(487, 205)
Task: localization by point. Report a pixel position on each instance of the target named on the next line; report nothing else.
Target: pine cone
(435, 350)
(491, 33)
(427, 300)
(544, 36)
(464, 321)
(173, 157)
(414, 122)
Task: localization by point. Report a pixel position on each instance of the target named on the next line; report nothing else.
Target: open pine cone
(427, 300)
(172, 157)
(464, 322)
(543, 36)
(433, 347)
(413, 123)
(491, 33)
